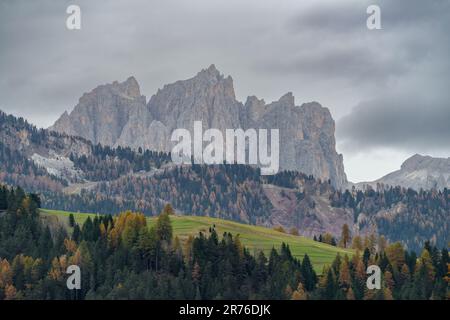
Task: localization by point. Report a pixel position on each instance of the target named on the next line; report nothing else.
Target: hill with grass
(253, 237)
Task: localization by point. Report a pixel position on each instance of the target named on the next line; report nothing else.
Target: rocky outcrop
(208, 97)
(418, 172)
(312, 215)
(307, 141)
(116, 115)
(101, 114)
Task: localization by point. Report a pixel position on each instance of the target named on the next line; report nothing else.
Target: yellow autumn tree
(300, 293)
(10, 292)
(58, 269)
(5, 273)
(345, 235)
(388, 279)
(328, 238)
(70, 245)
(344, 274)
(396, 254)
(279, 229)
(126, 228)
(294, 231)
(357, 243)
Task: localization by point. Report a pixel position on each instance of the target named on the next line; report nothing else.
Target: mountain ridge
(417, 172)
(307, 142)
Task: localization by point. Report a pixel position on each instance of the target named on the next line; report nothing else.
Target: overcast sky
(388, 89)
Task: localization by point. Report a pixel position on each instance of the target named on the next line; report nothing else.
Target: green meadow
(255, 238)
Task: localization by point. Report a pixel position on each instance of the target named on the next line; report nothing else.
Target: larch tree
(357, 243)
(300, 293)
(345, 235)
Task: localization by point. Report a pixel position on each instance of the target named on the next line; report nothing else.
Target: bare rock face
(311, 216)
(307, 142)
(116, 115)
(418, 172)
(101, 114)
(208, 97)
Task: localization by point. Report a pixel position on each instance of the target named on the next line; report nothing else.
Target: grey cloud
(352, 63)
(319, 50)
(349, 17)
(412, 112)
(331, 41)
(330, 17)
(409, 123)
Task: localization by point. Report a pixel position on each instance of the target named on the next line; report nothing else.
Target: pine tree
(308, 273)
(76, 234)
(366, 256)
(71, 220)
(164, 229)
(330, 285)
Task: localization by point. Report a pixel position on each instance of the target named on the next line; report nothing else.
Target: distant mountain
(116, 114)
(418, 172)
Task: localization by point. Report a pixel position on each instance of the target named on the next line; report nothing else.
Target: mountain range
(117, 114)
(110, 154)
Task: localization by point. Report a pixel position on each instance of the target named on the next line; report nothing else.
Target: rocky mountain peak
(131, 87)
(287, 99)
(419, 162)
(413, 162)
(211, 70)
(211, 77)
(116, 114)
(210, 74)
(207, 97)
(254, 100)
(101, 114)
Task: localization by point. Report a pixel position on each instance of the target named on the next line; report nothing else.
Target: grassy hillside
(253, 237)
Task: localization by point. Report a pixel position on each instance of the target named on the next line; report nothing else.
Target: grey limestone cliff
(116, 114)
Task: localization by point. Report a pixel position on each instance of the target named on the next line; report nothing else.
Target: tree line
(423, 214)
(122, 257)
